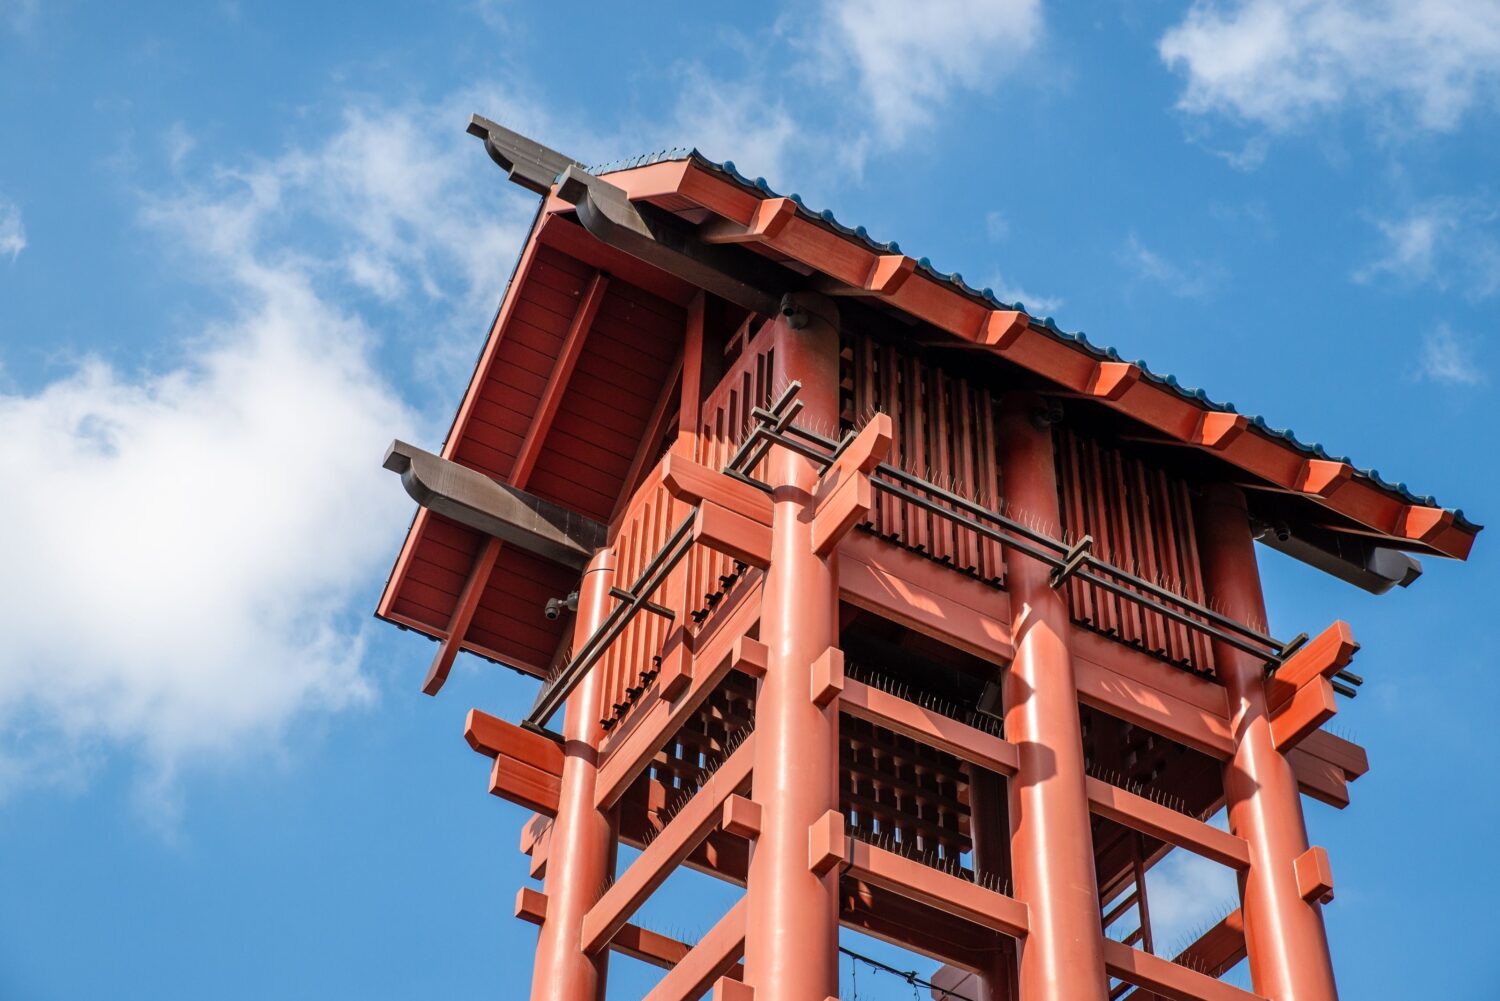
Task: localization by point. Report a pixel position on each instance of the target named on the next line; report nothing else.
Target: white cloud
(1280, 63)
(12, 231)
(1035, 303)
(909, 58)
(733, 120)
(193, 550)
(1445, 242)
(1449, 359)
(1186, 281)
(996, 225)
(1187, 894)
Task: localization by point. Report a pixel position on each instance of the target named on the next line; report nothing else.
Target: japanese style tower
(908, 612)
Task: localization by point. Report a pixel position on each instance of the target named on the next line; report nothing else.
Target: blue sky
(243, 246)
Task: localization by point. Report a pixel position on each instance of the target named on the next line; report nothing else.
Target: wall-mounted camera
(555, 606)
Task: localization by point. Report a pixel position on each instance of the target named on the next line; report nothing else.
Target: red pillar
(1284, 935)
(581, 847)
(791, 942)
(1052, 853)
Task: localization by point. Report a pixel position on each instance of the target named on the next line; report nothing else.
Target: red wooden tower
(906, 611)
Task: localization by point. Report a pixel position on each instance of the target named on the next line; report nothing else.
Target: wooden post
(582, 844)
(1288, 947)
(1052, 851)
(791, 942)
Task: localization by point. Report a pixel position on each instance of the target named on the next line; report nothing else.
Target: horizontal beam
(942, 891)
(701, 814)
(715, 955)
(1165, 978)
(528, 766)
(901, 716)
(654, 948)
(1166, 824)
(518, 518)
(693, 484)
(1322, 658)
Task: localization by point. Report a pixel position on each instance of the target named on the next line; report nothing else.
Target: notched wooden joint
(531, 905)
(749, 656)
(729, 989)
(741, 817)
(827, 677)
(827, 846)
(676, 670)
(1314, 875)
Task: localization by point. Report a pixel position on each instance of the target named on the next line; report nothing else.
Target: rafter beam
(463, 614)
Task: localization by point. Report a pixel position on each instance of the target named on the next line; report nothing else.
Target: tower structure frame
(905, 611)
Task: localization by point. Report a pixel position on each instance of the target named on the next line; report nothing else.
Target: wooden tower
(903, 609)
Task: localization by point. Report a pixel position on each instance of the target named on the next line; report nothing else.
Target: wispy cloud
(908, 60)
(1448, 359)
(1035, 303)
(12, 230)
(1281, 63)
(1186, 280)
(1444, 242)
(192, 553)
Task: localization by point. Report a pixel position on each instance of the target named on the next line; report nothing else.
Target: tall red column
(1052, 855)
(582, 843)
(1284, 935)
(791, 942)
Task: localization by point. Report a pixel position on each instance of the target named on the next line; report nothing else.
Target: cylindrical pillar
(581, 847)
(1284, 934)
(791, 942)
(1052, 854)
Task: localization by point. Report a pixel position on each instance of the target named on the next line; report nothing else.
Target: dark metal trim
(518, 518)
(556, 692)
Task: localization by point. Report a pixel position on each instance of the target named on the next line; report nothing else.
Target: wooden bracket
(845, 495)
(1314, 876)
(741, 817)
(1111, 379)
(729, 989)
(827, 846)
(1002, 327)
(1323, 657)
(693, 484)
(827, 677)
(1216, 429)
(531, 905)
(675, 675)
(732, 534)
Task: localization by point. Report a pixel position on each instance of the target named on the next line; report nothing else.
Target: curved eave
(739, 211)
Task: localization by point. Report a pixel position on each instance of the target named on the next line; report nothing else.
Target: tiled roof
(1046, 324)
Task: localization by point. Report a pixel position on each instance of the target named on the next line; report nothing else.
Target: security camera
(554, 607)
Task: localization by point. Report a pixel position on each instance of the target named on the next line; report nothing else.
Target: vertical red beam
(1284, 934)
(791, 940)
(1052, 852)
(991, 836)
(583, 839)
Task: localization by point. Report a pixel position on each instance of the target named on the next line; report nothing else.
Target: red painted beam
(716, 953)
